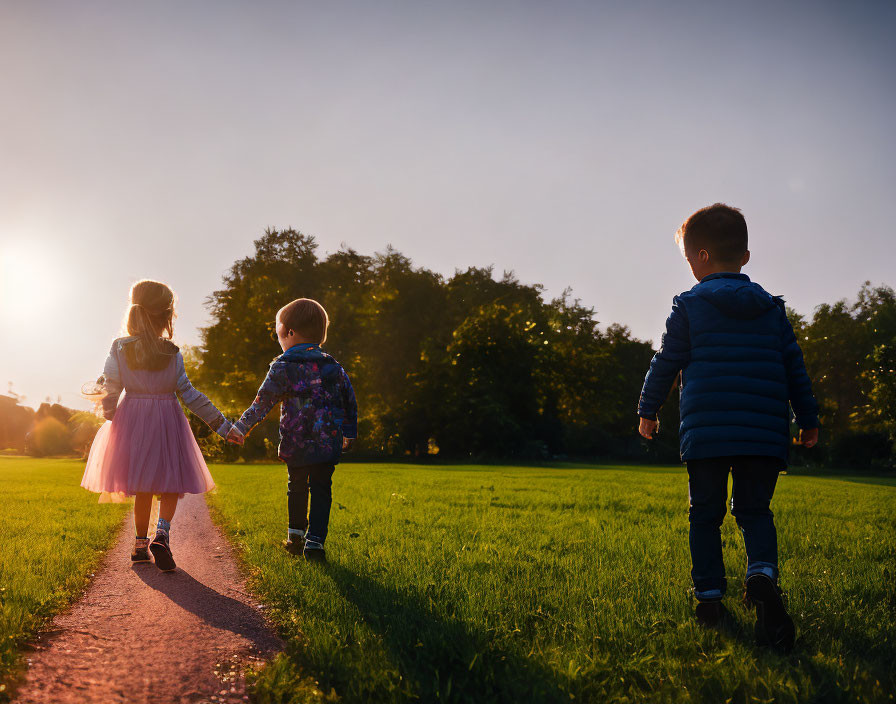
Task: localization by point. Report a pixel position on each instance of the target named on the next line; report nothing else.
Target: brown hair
(150, 316)
(306, 317)
(719, 229)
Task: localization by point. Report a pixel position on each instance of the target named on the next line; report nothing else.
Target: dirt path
(142, 635)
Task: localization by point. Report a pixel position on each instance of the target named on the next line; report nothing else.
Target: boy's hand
(348, 443)
(809, 437)
(647, 428)
(234, 436)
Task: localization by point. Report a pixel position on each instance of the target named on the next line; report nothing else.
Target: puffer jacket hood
(736, 296)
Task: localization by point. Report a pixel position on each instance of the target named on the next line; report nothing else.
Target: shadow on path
(216, 609)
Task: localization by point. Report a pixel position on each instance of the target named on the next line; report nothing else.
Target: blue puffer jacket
(741, 371)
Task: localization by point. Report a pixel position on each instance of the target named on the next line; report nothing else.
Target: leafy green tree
(237, 348)
(876, 310)
(848, 347)
(883, 385)
(477, 364)
(491, 401)
(835, 348)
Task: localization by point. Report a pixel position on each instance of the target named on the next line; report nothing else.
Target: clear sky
(563, 140)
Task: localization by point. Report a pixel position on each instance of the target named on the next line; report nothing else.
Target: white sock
(294, 534)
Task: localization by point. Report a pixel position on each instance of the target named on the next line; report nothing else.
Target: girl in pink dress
(146, 447)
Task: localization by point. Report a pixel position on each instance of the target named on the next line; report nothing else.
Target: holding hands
(235, 437)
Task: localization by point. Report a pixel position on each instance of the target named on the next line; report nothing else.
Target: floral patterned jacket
(319, 407)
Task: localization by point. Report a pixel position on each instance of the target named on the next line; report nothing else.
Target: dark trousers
(753, 483)
(316, 480)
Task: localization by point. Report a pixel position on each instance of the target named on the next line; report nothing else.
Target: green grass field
(512, 584)
(52, 536)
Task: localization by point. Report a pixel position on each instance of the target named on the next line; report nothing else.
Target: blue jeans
(316, 480)
(754, 480)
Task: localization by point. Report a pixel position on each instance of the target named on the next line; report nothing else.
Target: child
(148, 447)
(318, 420)
(741, 371)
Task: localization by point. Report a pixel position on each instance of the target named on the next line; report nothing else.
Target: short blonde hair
(306, 317)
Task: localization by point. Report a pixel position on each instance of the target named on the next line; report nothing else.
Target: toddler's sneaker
(141, 551)
(712, 614)
(161, 552)
(314, 551)
(773, 625)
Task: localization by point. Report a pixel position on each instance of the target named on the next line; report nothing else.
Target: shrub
(49, 437)
(862, 451)
(83, 427)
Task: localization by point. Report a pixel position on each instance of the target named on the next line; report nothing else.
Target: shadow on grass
(881, 480)
(214, 608)
(442, 657)
(875, 478)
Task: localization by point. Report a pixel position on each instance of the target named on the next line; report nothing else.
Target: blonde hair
(150, 318)
(307, 318)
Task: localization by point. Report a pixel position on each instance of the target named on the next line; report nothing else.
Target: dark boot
(774, 626)
(161, 552)
(314, 551)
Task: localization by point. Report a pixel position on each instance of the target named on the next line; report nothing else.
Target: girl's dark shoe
(141, 551)
(712, 614)
(774, 626)
(161, 552)
(314, 551)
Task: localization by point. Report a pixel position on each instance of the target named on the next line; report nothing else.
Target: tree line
(472, 365)
(482, 366)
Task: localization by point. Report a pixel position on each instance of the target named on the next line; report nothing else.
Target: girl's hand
(234, 436)
(647, 428)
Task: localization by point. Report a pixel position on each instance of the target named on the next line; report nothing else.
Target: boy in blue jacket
(318, 420)
(741, 373)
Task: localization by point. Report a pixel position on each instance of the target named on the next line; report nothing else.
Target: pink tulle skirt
(147, 448)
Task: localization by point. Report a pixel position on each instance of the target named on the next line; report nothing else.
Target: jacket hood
(303, 353)
(735, 296)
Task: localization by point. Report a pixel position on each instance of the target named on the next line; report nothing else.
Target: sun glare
(28, 281)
